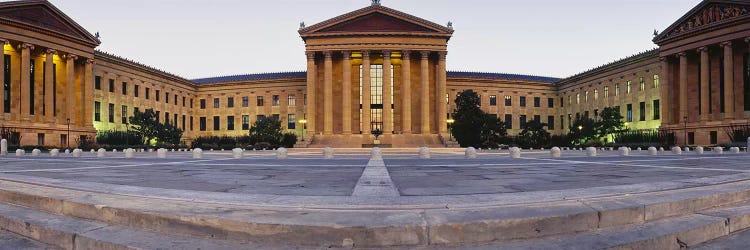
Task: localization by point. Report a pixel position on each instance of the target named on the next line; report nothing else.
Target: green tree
(582, 130)
(534, 135)
(610, 123)
(473, 127)
(267, 130)
(146, 124)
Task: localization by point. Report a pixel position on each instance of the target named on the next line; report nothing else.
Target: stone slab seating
(237, 153)
(101, 153)
(54, 152)
(36, 152)
(699, 150)
(624, 151)
(197, 153)
(129, 153)
(4, 147)
(424, 153)
(677, 150)
(470, 153)
(718, 150)
(653, 151)
(515, 152)
(591, 151)
(734, 150)
(555, 152)
(328, 153)
(282, 153)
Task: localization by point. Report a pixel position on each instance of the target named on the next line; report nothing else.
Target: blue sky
(194, 39)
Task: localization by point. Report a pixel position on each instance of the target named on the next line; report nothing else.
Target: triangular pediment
(42, 14)
(708, 14)
(378, 19)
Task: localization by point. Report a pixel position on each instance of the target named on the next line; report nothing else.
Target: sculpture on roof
(450, 25)
(375, 2)
(301, 25)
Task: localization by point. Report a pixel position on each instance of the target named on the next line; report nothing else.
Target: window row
(628, 90)
(147, 93)
(522, 101)
(259, 101)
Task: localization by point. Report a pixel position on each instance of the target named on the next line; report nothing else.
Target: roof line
(626, 60)
(141, 66)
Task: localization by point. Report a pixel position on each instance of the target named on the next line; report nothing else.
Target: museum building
(375, 68)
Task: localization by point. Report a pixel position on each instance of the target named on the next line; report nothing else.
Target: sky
(207, 38)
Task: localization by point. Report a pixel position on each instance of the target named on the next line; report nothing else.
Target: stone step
(74, 233)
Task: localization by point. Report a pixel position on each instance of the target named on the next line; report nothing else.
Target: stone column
(311, 73)
(683, 85)
(70, 89)
(3, 42)
(328, 93)
(88, 95)
(666, 86)
(728, 80)
(49, 86)
(406, 92)
(346, 90)
(425, 95)
(365, 93)
(442, 90)
(25, 80)
(705, 78)
(387, 112)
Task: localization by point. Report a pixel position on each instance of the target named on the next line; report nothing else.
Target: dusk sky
(195, 39)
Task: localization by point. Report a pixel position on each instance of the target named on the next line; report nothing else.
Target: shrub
(289, 140)
(738, 133)
(13, 136)
(125, 138)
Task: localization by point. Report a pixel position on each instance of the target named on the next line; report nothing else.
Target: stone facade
(701, 72)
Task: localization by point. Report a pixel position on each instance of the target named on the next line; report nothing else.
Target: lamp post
(580, 132)
(450, 122)
(303, 122)
(67, 136)
(684, 119)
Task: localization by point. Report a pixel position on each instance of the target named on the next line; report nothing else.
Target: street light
(303, 122)
(67, 136)
(450, 122)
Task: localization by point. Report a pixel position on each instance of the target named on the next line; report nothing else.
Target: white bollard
(376, 153)
(555, 152)
(197, 153)
(93, 151)
(515, 152)
(624, 151)
(36, 152)
(237, 153)
(638, 149)
(4, 147)
(686, 149)
(591, 151)
(101, 153)
(281, 153)
(129, 153)
(424, 153)
(54, 152)
(20, 152)
(677, 150)
(77, 152)
(748, 145)
(114, 150)
(161, 153)
(719, 150)
(699, 150)
(150, 150)
(328, 153)
(470, 153)
(653, 151)
(661, 149)
(67, 151)
(171, 150)
(734, 150)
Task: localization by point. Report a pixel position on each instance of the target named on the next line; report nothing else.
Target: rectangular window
(292, 101)
(259, 101)
(40, 139)
(537, 102)
(509, 121)
(97, 111)
(260, 117)
(124, 88)
(98, 82)
(111, 112)
(245, 122)
(562, 122)
(508, 101)
(136, 110)
(290, 122)
(136, 89)
(158, 116)
(628, 86)
(166, 117)
(275, 100)
(538, 118)
(493, 100)
(657, 110)
(714, 137)
(606, 92)
(596, 95)
(184, 120)
(203, 103)
(166, 97)
(202, 123)
(630, 113)
(276, 116)
(578, 98)
(174, 120)
(191, 102)
(551, 122)
(230, 102)
(217, 123)
(245, 102)
(112, 85)
(617, 89)
(191, 123)
(522, 121)
(642, 111)
(642, 84)
(31, 87)
(522, 101)
(691, 138)
(124, 115)
(562, 103)
(175, 99)
(184, 101)
(656, 81)
(550, 102)
(158, 94)
(230, 123)
(216, 103)
(148, 93)
(586, 96)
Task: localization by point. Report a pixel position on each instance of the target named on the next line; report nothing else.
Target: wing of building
(372, 69)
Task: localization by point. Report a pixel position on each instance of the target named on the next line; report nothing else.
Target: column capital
(4, 41)
(365, 54)
(387, 53)
(328, 54)
(72, 57)
(663, 59)
(27, 46)
(89, 61)
(727, 43)
(406, 54)
(347, 54)
(51, 51)
(702, 49)
(682, 54)
(747, 39)
(310, 55)
(425, 54)
(443, 55)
